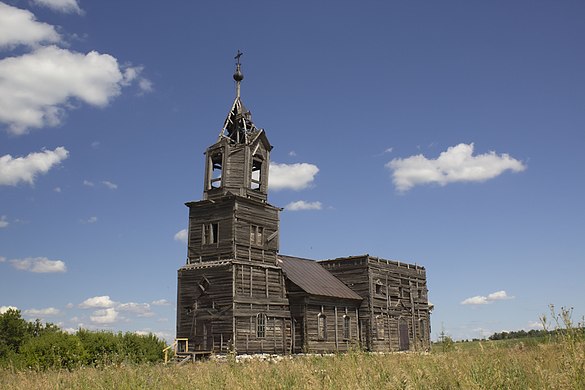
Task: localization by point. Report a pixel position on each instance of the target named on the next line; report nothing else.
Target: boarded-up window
(256, 235)
(346, 327)
(261, 320)
(322, 326)
(210, 233)
(380, 327)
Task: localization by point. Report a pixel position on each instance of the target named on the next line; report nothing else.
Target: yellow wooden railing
(173, 346)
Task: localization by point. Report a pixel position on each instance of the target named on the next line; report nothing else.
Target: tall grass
(554, 363)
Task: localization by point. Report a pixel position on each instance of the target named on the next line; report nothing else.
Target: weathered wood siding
(393, 291)
(205, 306)
(206, 212)
(250, 213)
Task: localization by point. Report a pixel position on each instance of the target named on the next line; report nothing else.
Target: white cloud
(103, 301)
(160, 302)
(88, 183)
(476, 300)
(483, 300)
(140, 309)
(39, 265)
(110, 185)
(25, 169)
(89, 220)
(145, 85)
(49, 311)
(2, 259)
(69, 305)
(535, 325)
(498, 296)
(57, 189)
(66, 6)
(37, 87)
(296, 176)
(388, 150)
(4, 309)
(457, 164)
(3, 221)
(104, 316)
(302, 205)
(181, 235)
(20, 27)
(292, 153)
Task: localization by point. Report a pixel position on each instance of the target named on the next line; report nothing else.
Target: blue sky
(447, 134)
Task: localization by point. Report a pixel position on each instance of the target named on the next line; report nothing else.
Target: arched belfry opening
(238, 162)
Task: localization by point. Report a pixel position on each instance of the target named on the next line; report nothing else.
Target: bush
(52, 350)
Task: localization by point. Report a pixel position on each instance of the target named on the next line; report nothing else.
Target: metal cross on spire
(238, 76)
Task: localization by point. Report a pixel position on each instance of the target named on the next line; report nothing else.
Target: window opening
(204, 284)
(216, 161)
(210, 233)
(346, 327)
(322, 326)
(256, 179)
(261, 320)
(380, 290)
(380, 327)
(256, 235)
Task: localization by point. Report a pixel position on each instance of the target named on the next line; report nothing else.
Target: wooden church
(236, 293)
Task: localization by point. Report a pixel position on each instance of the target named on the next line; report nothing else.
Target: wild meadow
(556, 361)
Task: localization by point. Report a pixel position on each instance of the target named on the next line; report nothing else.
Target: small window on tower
(256, 180)
(256, 235)
(210, 233)
(261, 320)
(215, 171)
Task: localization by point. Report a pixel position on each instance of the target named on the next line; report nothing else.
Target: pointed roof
(310, 276)
(238, 125)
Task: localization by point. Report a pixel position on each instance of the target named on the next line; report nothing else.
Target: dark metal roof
(314, 279)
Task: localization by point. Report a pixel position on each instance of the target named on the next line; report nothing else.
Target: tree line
(38, 346)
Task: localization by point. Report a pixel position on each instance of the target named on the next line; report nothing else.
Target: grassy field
(523, 364)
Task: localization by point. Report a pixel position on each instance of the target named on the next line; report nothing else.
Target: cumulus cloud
(49, 311)
(39, 265)
(296, 176)
(456, 164)
(65, 6)
(103, 301)
(37, 87)
(483, 300)
(110, 185)
(535, 325)
(161, 302)
(20, 27)
(140, 309)
(104, 316)
(25, 169)
(302, 205)
(3, 221)
(4, 309)
(181, 235)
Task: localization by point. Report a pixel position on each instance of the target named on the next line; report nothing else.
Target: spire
(238, 76)
(238, 125)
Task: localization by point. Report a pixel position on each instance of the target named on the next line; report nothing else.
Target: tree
(13, 332)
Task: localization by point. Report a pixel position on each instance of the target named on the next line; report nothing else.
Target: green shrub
(52, 350)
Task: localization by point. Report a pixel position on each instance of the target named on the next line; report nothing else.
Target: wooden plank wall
(213, 307)
(402, 293)
(334, 311)
(205, 212)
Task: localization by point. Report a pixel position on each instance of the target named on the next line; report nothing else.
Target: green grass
(505, 364)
